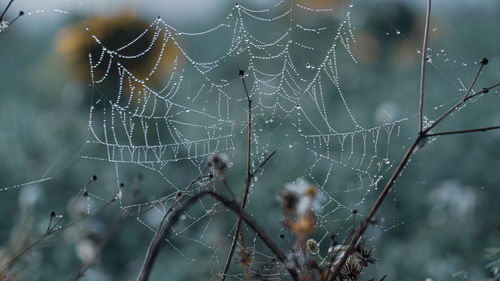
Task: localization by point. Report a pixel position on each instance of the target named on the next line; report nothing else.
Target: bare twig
(111, 232)
(464, 131)
(158, 241)
(353, 239)
(47, 234)
(248, 179)
(422, 67)
(467, 97)
(256, 170)
(5, 10)
(332, 258)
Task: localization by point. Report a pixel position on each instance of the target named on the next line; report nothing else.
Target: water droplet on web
(186, 109)
(290, 146)
(398, 32)
(386, 161)
(297, 106)
(237, 5)
(308, 65)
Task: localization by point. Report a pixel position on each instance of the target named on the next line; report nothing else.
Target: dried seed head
(288, 201)
(312, 246)
(484, 61)
(219, 163)
(94, 178)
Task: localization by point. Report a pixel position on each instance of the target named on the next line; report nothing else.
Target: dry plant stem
(464, 131)
(156, 244)
(111, 232)
(369, 217)
(352, 240)
(5, 10)
(77, 197)
(247, 180)
(171, 208)
(463, 100)
(422, 68)
(332, 259)
(41, 238)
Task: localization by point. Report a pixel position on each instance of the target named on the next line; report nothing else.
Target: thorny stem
(422, 68)
(158, 241)
(247, 180)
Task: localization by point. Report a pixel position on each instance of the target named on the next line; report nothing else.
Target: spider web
(189, 107)
(198, 108)
(191, 104)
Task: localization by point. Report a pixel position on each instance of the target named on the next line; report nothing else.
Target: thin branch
(248, 179)
(483, 62)
(351, 242)
(353, 239)
(464, 131)
(5, 10)
(81, 192)
(47, 234)
(332, 258)
(256, 170)
(21, 13)
(111, 232)
(467, 97)
(422, 67)
(158, 241)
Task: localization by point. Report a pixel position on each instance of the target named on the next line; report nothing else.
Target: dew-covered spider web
(191, 105)
(168, 99)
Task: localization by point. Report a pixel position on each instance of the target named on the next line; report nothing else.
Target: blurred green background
(438, 220)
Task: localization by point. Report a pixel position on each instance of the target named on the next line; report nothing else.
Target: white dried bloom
(4, 25)
(309, 197)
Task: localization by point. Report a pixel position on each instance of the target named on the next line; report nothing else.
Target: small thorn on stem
(485, 90)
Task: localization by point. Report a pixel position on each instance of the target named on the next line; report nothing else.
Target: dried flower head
(308, 196)
(288, 201)
(350, 271)
(365, 257)
(219, 163)
(312, 246)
